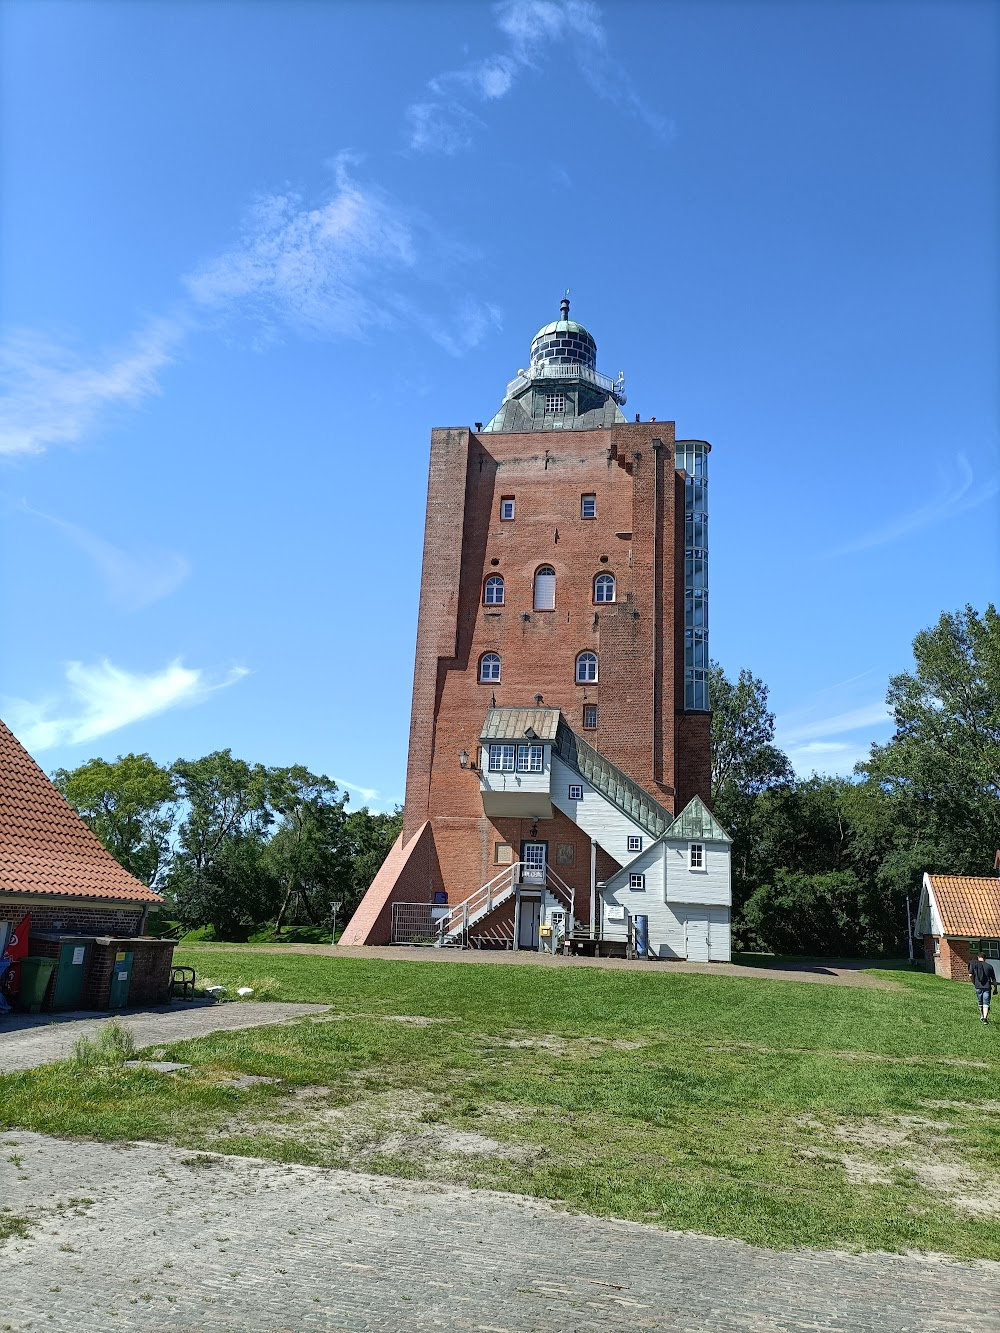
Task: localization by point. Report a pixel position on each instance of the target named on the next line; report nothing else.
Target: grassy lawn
(783, 1113)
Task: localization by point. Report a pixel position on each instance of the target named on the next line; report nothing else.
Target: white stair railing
(456, 922)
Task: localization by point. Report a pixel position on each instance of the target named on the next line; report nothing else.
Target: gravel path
(156, 1239)
(837, 974)
(28, 1041)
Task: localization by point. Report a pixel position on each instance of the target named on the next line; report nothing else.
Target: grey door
(530, 919)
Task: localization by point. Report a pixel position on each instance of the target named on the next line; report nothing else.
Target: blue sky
(254, 252)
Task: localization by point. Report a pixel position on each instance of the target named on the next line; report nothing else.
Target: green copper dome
(563, 343)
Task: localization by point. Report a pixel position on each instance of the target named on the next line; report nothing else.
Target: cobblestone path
(157, 1239)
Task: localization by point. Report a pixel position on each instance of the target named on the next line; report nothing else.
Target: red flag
(17, 948)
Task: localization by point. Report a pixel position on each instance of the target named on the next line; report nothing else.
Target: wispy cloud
(338, 268)
(102, 698)
(49, 395)
(444, 122)
(367, 793)
(133, 579)
(959, 492)
(816, 739)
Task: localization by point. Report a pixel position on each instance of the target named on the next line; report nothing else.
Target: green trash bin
(35, 975)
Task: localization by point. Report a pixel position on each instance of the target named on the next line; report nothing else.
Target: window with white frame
(586, 668)
(545, 588)
(576, 791)
(502, 758)
(493, 591)
(696, 856)
(530, 758)
(590, 717)
(588, 506)
(604, 588)
(555, 402)
(507, 507)
(489, 667)
(637, 881)
(634, 843)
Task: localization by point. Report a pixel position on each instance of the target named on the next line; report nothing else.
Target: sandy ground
(140, 1236)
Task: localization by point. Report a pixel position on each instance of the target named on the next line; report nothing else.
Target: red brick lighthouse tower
(560, 717)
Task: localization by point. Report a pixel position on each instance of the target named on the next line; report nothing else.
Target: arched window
(545, 588)
(493, 592)
(489, 667)
(586, 668)
(604, 588)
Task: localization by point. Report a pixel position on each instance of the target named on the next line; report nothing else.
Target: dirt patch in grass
(912, 1146)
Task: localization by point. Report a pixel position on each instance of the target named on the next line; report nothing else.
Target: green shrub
(113, 1045)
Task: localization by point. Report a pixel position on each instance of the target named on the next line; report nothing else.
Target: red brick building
(85, 911)
(957, 917)
(562, 633)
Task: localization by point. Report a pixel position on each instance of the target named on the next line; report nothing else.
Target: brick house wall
(953, 960)
(97, 918)
(638, 537)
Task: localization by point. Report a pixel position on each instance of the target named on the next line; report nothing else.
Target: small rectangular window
(530, 758)
(503, 854)
(507, 507)
(590, 716)
(588, 506)
(575, 791)
(637, 881)
(937, 948)
(502, 758)
(634, 843)
(565, 854)
(696, 856)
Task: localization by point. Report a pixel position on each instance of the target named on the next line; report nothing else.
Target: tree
(131, 805)
(832, 914)
(745, 764)
(310, 851)
(929, 798)
(371, 838)
(745, 760)
(219, 875)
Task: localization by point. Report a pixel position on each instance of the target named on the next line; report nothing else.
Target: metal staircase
(452, 930)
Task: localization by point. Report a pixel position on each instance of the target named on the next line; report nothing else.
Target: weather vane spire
(564, 306)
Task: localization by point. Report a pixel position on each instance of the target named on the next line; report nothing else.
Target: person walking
(985, 983)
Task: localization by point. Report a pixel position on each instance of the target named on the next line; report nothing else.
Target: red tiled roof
(968, 904)
(45, 847)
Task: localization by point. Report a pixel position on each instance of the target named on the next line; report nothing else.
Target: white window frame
(636, 882)
(531, 758)
(634, 842)
(555, 403)
(697, 858)
(543, 572)
(588, 506)
(589, 726)
(586, 680)
(576, 791)
(507, 509)
(602, 580)
(491, 586)
(503, 758)
(490, 679)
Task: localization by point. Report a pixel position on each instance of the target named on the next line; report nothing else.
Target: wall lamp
(463, 759)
